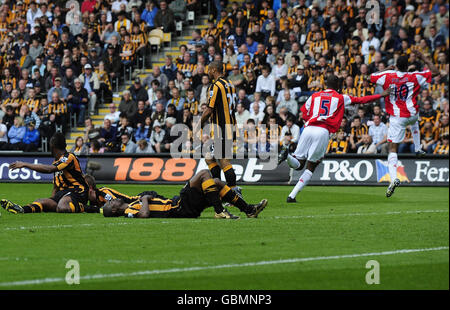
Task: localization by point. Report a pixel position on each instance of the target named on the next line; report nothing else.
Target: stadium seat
(179, 28)
(155, 41)
(167, 40)
(190, 17)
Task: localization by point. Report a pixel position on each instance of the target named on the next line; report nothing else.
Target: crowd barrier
(349, 169)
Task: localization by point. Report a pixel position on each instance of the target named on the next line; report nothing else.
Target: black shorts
(192, 203)
(224, 151)
(79, 200)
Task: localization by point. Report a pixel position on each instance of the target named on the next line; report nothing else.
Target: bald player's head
(332, 82)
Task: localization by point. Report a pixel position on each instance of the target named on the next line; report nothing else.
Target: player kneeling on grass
(199, 193)
(70, 191)
(323, 113)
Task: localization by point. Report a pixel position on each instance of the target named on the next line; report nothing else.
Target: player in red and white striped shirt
(402, 106)
(323, 113)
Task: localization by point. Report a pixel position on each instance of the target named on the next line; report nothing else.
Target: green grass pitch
(322, 242)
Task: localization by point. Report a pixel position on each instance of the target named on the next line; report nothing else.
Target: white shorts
(397, 127)
(313, 144)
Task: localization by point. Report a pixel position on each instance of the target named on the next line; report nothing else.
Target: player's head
(215, 69)
(402, 63)
(114, 208)
(90, 181)
(57, 143)
(332, 82)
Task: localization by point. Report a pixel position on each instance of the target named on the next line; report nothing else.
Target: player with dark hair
(402, 106)
(199, 193)
(323, 113)
(70, 191)
(220, 111)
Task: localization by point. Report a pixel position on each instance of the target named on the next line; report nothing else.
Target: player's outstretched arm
(36, 167)
(430, 65)
(371, 98)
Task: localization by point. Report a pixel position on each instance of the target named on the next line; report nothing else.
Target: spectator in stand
(157, 136)
(290, 134)
(91, 83)
(442, 146)
(164, 18)
(91, 132)
(143, 132)
(156, 75)
(265, 83)
(108, 133)
(149, 13)
(378, 134)
(168, 138)
(31, 139)
(367, 146)
(15, 134)
(142, 113)
(357, 132)
(77, 101)
(128, 106)
(3, 134)
(407, 145)
(289, 103)
(113, 114)
(256, 113)
(338, 144)
(58, 108)
(79, 147)
(144, 147)
(429, 137)
(241, 115)
(138, 93)
(127, 146)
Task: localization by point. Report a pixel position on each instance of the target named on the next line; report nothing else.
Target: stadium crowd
(61, 58)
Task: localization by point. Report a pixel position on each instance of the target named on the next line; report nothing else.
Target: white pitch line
(226, 266)
(361, 214)
(131, 222)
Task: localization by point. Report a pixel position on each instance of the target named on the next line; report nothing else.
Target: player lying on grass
(199, 193)
(323, 113)
(99, 196)
(70, 191)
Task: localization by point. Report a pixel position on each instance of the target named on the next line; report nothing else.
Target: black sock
(212, 195)
(215, 170)
(230, 176)
(227, 195)
(35, 207)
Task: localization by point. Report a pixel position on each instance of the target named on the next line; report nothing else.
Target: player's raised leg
(311, 147)
(392, 164)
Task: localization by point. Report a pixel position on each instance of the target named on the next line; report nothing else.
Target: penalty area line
(225, 266)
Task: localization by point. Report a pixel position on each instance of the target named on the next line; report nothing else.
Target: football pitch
(324, 241)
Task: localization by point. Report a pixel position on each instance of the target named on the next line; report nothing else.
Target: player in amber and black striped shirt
(99, 196)
(199, 193)
(70, 191)
(220, 111)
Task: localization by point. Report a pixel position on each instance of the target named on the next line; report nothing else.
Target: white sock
(302, 182)
(392, 163)
(293, 162)
(415, 131)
